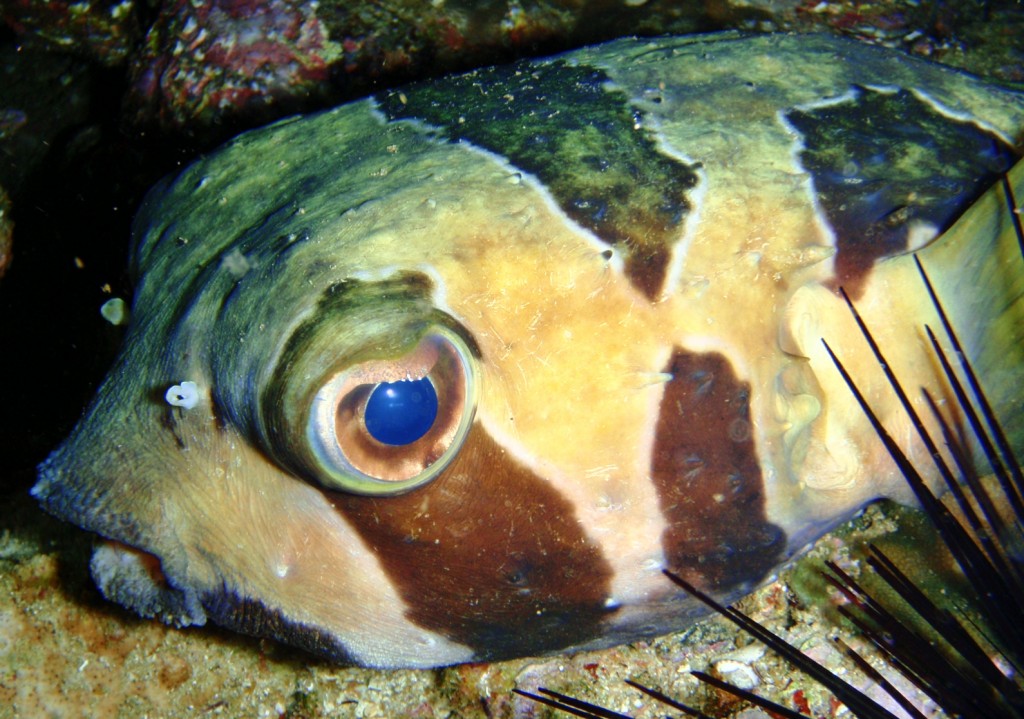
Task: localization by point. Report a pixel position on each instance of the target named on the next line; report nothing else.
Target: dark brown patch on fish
(489, 555)
(708, 478)
(583, 137)
(251, 616)
(884, 161)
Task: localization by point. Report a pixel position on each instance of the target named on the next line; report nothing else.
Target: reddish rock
(202, 60)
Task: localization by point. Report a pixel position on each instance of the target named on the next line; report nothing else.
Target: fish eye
(399, 413)
(386, 426)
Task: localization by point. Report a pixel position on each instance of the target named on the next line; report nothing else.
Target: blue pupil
(401, 412)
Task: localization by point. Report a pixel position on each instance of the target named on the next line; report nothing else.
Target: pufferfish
(452, 373)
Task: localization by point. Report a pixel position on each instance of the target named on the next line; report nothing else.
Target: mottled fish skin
(619, 263)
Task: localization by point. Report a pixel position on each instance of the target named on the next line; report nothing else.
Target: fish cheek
(708, 478)
(489, 555)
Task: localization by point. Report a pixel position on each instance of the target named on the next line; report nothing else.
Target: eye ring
(352, 457)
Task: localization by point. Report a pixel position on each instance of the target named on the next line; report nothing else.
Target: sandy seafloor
(65, 652)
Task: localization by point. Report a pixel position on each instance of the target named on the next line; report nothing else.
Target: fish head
(402, 397)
